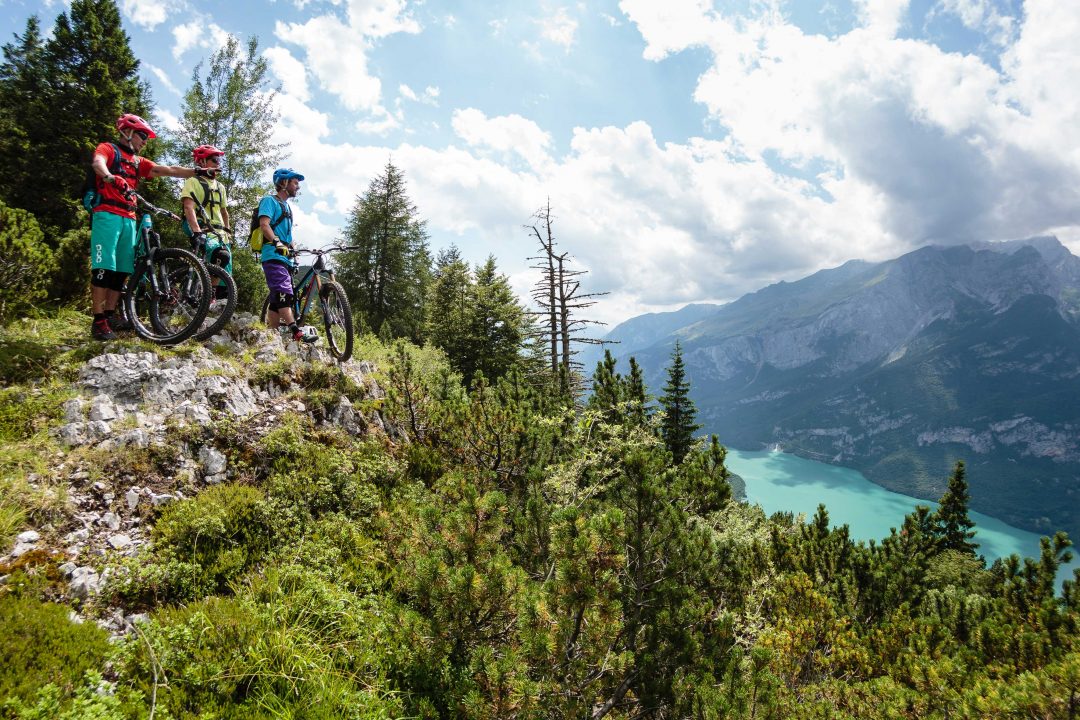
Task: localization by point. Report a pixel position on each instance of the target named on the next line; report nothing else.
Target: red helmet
(204, 152)
(135, 124)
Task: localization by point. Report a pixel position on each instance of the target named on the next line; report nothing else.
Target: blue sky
(693, 150)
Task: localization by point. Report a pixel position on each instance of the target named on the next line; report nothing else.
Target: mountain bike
(167, 297)
(216, 255)
(332, 310)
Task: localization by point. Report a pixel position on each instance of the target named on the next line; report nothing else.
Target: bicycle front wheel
(168, 298)
(221, 309)
(336, 319)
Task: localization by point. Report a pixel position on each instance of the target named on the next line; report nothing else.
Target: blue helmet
(283, 174)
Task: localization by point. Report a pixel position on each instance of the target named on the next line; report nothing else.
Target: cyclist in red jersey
(112, 233)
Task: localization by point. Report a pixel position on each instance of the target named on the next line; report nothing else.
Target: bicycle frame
(309, 287)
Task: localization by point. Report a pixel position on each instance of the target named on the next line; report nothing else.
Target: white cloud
(430, 96)
(949, 148)
(147, 13)
(289, 71)
(168, 120)
(882, 17)
(506, 134)
(337, 51)
(163, 78)
(559, 28)
(198, 34)
(982, 16)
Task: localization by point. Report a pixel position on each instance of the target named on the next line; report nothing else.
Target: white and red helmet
(133, 123)
(204, 152)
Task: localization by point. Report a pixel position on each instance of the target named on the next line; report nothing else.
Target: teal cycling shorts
(112, 243)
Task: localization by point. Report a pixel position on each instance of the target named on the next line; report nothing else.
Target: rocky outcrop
(145, 400)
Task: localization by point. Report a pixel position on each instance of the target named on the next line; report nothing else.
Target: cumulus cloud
(198, 33)
(952, 149)
(336, 50)
(147, 13)
(506, 134)
(289, 71)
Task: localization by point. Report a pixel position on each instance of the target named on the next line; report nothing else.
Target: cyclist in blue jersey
(276, 223)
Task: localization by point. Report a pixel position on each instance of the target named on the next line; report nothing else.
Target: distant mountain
(900, 368)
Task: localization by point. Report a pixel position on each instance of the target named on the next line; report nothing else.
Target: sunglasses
(143, 135)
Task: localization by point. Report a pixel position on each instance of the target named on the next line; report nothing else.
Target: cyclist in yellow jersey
(204, 206)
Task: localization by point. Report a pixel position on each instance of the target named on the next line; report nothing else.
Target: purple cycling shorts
(278, 277)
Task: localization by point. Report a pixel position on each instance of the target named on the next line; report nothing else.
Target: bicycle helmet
(283, 174)
(204, 152)
(134, 123)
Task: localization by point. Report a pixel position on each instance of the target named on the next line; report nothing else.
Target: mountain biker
(112, 234)
(275, 221)
(204, 208)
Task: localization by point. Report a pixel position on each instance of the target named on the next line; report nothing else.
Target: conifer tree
(92, 77)
(951, 518)
(446, 307)
(496, 328)
(387, 278)
(678, 426)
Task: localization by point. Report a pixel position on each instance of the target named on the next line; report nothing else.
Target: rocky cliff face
(899, 368)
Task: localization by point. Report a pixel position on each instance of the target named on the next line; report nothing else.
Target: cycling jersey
(133, 168)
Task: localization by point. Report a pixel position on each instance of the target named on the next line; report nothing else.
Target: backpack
(205, 208)
(255, 239)
(90, 195)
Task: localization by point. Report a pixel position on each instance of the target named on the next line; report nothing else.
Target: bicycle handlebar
(323, 251)
(152, 207)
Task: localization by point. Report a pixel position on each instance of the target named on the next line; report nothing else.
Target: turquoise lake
(780, 481)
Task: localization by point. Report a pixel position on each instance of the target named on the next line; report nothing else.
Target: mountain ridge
(900, 368)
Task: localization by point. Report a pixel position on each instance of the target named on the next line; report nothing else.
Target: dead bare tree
(559, 297)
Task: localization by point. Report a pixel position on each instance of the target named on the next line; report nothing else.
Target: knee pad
(280, 300)
(108, 279)
(220, 257)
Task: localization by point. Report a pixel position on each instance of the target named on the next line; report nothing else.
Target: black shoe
(119, 323)
(100, 330)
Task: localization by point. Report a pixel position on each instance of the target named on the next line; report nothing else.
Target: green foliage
(387, 277)
(956, 528)
(248, 274)
(28, 263)
(80, 79)
(231, 109)
(203, 546)
(39, 645)
(71, 281)
(678, 426)
(474, 317)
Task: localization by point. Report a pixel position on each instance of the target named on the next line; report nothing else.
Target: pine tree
(496, 324)
(387, 278)
(446, 307)
(23, 99)
(92, 78)
(678, 426)
(231, 108)
(951, 518)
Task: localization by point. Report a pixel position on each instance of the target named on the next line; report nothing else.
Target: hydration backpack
(205, 208)
(90, 195)
(255, 239)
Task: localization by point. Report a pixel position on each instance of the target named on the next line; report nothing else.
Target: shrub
(28, 263)
(202, 545)
(40, 645)
(71, 279)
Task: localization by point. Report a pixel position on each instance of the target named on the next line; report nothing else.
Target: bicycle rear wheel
(336, 315)
(167, 298)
